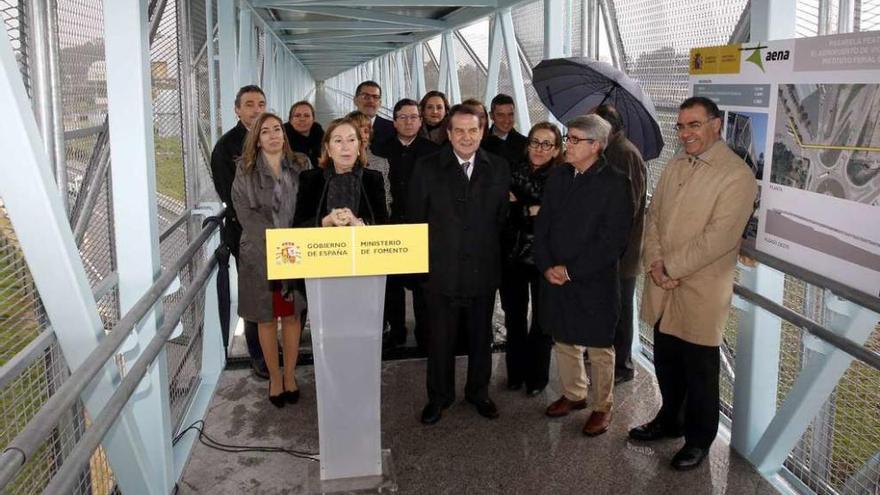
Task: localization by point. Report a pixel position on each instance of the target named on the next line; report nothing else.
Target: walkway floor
(522, 452)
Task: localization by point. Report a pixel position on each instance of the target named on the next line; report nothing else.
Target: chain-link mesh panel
(869, 15)
(20, 399)
(432, 70)
(807, 18)
(656, 37)
(528, 24)
(13, 15)
(184, 351)
(576, 24)
(471, 78)
(840, 451)
(22, 315)
(167, 127)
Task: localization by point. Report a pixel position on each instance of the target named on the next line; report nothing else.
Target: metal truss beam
(376, 3)
(391, 35)
(338, 25)
(370, 15)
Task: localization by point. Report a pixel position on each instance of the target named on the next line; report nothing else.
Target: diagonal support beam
(812, 388)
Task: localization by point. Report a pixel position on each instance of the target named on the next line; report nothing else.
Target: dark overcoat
(308, 145)
(464, 218)
(584, 225)
(223, 158)
(253, 193)
(311, 202)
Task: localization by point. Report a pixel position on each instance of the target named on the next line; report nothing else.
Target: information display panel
(805, 115)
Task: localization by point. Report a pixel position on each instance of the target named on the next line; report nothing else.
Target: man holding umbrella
(625, 157)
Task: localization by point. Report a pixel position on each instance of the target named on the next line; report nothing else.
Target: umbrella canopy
(573, 86)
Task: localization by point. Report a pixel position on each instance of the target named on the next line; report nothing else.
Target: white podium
(346, 315)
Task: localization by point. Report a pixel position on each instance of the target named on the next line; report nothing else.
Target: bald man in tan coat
(692, 236)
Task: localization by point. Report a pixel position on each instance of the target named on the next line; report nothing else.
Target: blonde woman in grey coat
(264, 193)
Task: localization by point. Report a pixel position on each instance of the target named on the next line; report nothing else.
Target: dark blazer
(464, 218)
(625, 157)
(401, 161)
(512, 149)
(227, 150)
(383, 130)
(310, 146)
(583, 224)
(312, 192)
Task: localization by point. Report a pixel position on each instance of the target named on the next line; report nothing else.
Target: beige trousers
(573, 375)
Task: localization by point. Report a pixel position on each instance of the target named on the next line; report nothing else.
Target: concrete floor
(522, 452)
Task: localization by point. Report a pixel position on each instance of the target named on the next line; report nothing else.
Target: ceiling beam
(342, 47)
(354, 25)
(370, 15)
(362, 37)
(376, 3)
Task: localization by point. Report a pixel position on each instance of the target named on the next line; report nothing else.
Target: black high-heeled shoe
(291, 397)
(276, 400)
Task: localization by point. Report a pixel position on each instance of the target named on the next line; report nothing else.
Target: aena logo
(758, 58)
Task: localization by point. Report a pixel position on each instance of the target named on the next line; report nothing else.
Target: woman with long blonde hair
(266, 183)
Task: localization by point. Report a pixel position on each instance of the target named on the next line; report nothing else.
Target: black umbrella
(574, 86)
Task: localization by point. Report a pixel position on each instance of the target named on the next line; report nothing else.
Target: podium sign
(344, 269)
(346, 251)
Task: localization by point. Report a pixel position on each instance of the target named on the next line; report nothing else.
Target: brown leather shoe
(563, 406)
(597, 423)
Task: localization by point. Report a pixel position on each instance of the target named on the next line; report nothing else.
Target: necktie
(464, 167)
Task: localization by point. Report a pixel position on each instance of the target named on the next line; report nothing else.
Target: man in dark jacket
(368, 99)
(580, 233)
(462, 193)
(503, 139)
(626, 158)
(250, 102)
(402, 152)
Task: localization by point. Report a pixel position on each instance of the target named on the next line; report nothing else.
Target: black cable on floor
(209, 442)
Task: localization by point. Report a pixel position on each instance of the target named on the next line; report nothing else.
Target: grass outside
(170, 179)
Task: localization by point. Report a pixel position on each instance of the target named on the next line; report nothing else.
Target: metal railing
(40, 427)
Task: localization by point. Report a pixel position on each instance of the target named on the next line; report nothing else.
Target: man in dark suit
(250, 102)
(462, 193)
(368, 99)
(503, 140)
(402, 152)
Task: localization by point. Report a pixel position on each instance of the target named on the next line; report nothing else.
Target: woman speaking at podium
(342, 192)
(263, 192)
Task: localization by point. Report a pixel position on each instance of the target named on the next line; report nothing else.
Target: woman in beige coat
(264, 193)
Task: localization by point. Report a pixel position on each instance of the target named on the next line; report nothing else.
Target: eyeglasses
(692, 126)
(574, 140)
(408, 118)
(544, 145)
(367, 96)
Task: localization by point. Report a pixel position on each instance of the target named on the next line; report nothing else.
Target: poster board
(805, 115)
